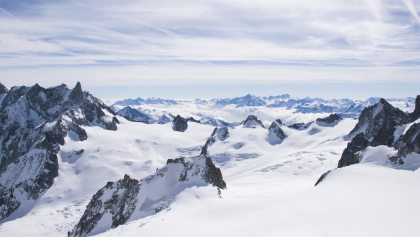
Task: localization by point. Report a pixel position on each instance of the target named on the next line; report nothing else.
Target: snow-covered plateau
(224, 167)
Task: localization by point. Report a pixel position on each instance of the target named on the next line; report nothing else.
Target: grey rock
(416, 113)
(378, 123)
(300, 126)
(120, 200)
(179, 124)
(408, 143)
(116, 199)
(350, 154)
(3, 89)
(220, 134)
(275, 134)
(322, 178)
(252, 122)
(135, 115)
(33, 124)
(330, 121)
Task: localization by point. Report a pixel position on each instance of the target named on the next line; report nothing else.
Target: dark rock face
(130, 199)
(3, 89)
(218, 122)
(378, 123)
(252, 122)
(275, 134)
(33, 124)
(165, 118)
(135, 115)
(416, 114)
(115, 199)
(220, 134)
(330, 121)
(300, 126)
(409, 142)
(322, 178)
(191, 119)
(179, 124)
(350, 156)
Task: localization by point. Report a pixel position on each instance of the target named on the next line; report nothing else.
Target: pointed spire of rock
(416, 114)
(3, 89)
(77, 92)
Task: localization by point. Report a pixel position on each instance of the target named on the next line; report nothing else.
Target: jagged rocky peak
(378, 123)
(300, 126)
(129, 199)
(194, 120)
(77, 93)
(135, 115)
(3, 89)
(275, 134)
(33, 124)
(252, 122)
(329, 121)
(220, 134)
(350, 155)
(409, 142)
(165, 118)
(416, 113)
(179, 124)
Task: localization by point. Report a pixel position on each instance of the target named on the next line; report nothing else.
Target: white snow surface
(270, 189)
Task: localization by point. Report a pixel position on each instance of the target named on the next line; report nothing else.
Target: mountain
(33, 124)
(141, 101)
(247, 100)
(139, 179)
(384, 135)
(276, 135)
(252, 122)
(131, 199)
(135, 115)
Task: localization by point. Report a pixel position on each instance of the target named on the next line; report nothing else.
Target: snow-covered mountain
(33, 124)
(384, 135)
(222, 112)
(71, 166)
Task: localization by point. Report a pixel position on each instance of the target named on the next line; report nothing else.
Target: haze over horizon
(206, 49)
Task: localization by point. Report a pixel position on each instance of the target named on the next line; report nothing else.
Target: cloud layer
(163, 41)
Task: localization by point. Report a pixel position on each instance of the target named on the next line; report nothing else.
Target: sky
(202, 48)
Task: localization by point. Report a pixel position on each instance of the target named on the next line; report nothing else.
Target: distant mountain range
(133, 110)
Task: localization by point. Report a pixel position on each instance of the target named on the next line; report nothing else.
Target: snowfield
(270, 188)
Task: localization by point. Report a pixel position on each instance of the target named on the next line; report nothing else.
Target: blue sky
(187, 49)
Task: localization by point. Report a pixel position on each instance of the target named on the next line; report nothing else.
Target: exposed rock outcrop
(330, 121)
(350, 154)
(220, 134)
(33, 123)
(416, 113)
(179, 124)
(135, 115)
(252, 122)
(378, 123)
(300, 126)
(410, 141)
(165, 118)
(275, 134)
(3, 89)
(130, 199)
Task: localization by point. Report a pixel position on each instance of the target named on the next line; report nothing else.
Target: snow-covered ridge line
(33, 124)
(384, 135)
(344, 107)
(130, 199)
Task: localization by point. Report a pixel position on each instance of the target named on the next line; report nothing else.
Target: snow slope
(270, 188)
(135, 149)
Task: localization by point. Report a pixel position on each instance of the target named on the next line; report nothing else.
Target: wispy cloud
(104, 41)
